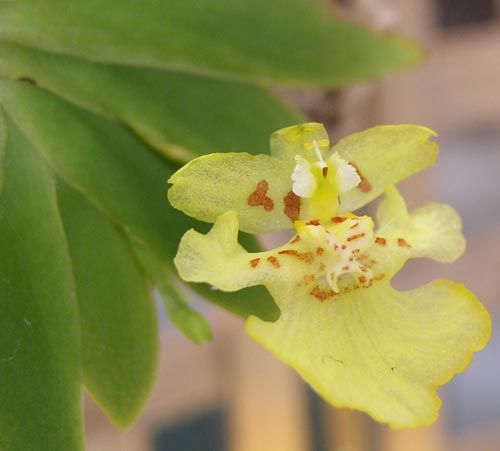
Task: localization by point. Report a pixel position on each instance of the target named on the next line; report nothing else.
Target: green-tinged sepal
(255, 186)
(289, 142)
(385, 155)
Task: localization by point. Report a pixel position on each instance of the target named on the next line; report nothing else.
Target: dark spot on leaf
(27, 80)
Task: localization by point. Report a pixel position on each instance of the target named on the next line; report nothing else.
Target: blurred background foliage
(100, 103)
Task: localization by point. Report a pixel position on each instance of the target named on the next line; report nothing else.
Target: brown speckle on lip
(321, 295)
(274, 261)
(255, 262)
(403, 243)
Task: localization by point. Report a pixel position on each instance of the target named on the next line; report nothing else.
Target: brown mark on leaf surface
(259, 197)
(292, 205)
(364, 185)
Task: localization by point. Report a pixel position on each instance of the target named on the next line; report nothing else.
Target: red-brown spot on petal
(292, 205)
(346, 268)
(314, 222)
(362, 279)
(364, 185)
(321, 295)
(381, 241)
(259, 197)
(308, 278)
(254, 262)
(355, 225)
(355, 237)
(308, 257)
(296, 239)
(338, 219)
(320, 251)
(325, 171)
(274, 261)
(403, 243)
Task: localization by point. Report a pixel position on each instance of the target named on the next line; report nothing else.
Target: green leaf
(119, 175)
(3, 142)
(183, 115)
(188, 320)
(40, 397)
(287, 41)
(118, 317)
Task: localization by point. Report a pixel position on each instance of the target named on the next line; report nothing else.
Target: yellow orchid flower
(356, 340)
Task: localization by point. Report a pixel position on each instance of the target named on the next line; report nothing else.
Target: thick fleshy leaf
(188, 320)
(40, 399)
(256, 186)
(3, 142)
(378, 350)
(118, 174)
(117, 315)
(383, 156)
(183, 115)
(292, 41)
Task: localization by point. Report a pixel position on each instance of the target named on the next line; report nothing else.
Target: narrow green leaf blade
(40, 390)
(286, 41)
(118, 317)
(119, 175)
(3, 142)
(186, 319)
(183, 115)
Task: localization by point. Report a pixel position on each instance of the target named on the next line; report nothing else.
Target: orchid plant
(354, 338)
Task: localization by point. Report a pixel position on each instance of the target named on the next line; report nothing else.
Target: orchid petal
(378, 350)
(299, 140)
(383, 156)
(257, 187)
